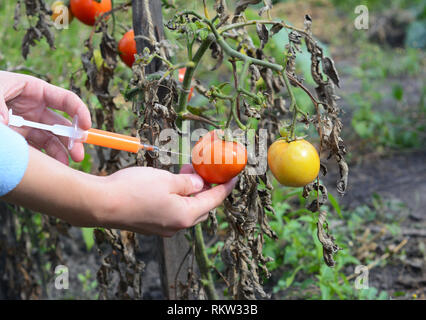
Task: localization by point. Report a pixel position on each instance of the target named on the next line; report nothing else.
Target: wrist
(102, 201)
(94, 199)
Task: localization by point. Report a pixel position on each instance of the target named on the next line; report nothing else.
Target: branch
(253, 22)
(204, 264)
(186, 85)
(191, 116)
(231, 52)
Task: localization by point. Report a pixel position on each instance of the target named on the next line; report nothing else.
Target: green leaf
(325, 292)
(306, 218)
(196, 110)
(398, 92)
(88, 237)
(86, 164)
(203, 34)
(290, 279)
(222, 85)
(335, 205)
(361, 128)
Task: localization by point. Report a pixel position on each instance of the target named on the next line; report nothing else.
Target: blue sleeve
(13, 159)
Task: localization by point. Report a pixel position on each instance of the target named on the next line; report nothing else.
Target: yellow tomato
(293, 164)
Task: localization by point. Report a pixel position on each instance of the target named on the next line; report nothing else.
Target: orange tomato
(88, 10)
(217, 160)
(127, 48)
(293, 164)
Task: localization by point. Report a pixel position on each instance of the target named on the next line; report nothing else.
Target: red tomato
(181, 77)
(217, 160)
(127, 48)
(88, 10)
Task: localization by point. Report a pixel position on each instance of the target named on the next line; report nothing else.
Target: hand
(153, 201)
(31, 98)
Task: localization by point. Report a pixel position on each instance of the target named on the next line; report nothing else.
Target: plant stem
(204, 264)
(253, 22)
(234, 113)
(186, 85)
(231, 52)
(293, 104)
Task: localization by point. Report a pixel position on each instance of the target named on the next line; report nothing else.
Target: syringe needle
(148, 147)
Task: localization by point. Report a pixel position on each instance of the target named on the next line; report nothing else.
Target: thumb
(187, 184)
(4, 114)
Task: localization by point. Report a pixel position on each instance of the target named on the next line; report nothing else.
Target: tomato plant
(256, 96)
(295, 163)
(88, 10)
(217, 160)
(127, 48)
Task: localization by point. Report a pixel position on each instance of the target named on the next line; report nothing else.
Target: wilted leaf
(262, 33)
(243, 4)
(276, 28)
(330, 70)
(268, 6)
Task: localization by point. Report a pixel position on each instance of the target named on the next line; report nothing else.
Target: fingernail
(197, 181)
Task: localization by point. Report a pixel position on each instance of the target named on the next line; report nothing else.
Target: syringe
(92, 136)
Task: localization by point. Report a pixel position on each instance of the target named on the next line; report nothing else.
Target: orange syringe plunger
(113, 140)
(116, 141)
(107, 139)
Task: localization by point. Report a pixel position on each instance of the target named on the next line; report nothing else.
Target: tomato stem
(204, 264)
(229, 51)
(186, 84)
(293, 103)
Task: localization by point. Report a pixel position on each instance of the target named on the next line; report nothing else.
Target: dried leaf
(330, 70)
(307, 23)
(262, 33)
(267, 7)
(242, 5)
(276, 28)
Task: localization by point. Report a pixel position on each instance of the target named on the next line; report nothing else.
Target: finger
(50, 143)
(187, 168)
(51, 117)
(200, 204)
(4, 112)
(186, 184)
(69, 102)
(201, 218)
